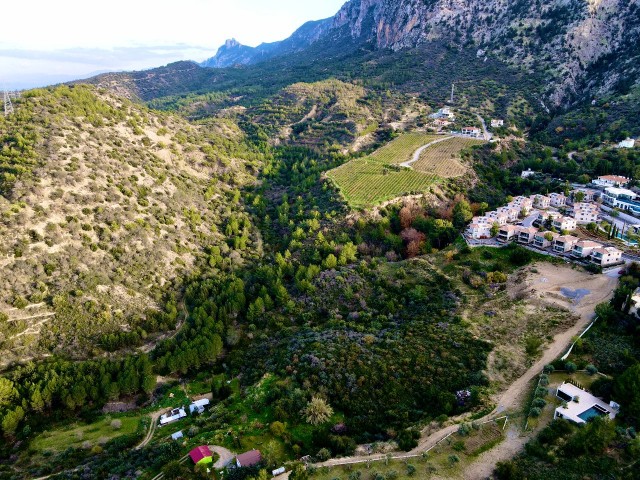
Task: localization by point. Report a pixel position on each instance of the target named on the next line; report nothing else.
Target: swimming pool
(594, 411)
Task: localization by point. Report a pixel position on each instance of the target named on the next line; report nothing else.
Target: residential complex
(508, 224)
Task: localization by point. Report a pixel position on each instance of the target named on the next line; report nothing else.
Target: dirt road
(416, 155)
(547, 284)
(152, 428)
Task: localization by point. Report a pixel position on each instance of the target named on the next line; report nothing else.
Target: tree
(299, 472)
(495, 229)
(330, 262)
(317, 411)
(462, 214)
(7, 392)
(11, 421)
(605, 311)
(579, 196)
(277, 429)
(626, 390)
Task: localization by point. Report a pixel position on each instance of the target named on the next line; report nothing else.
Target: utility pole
(453, 89)
(8, 106)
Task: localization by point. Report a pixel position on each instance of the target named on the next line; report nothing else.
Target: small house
(471, 132)
(628, 143)
(497, 123)
(201, 455)
(512, 213)
(249, 459)
(605, 256)
(581, 405)
(528, 173)
(173, 416)
(541, 201)
(199, 405)
(584, 249)
(478, 231)
(558, 200)
(541, 239)
(508, 233)
(564, 243)
(177, 436)
(585, 213)
(565, 223)
(526, 234)
(497, 217)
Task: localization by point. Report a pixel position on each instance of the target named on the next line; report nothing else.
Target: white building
(580, 405)
(497, 123)
(565, 223)
(628, 143)
(526, 234)
(589, 194)
(499, 218)
(564, 243)
(584, 248)
(444, 112)
(528, 173)
(523, 204)
(611, 181)
(173, 416)
(512, 213)
(199, 405)
(541, 201)
(558, 199)
(541, 239)
(621, 198)
(508, 233)
(474, 132)
(585, 213)
(606, 256)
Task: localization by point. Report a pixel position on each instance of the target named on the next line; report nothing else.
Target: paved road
(485, 131)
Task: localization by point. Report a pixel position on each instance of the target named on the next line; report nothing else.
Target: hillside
(115, 207)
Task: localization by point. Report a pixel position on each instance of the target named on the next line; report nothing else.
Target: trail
(416, 155)
(511, 399)
(152, 428)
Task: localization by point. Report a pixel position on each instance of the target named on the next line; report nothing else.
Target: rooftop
(200, 453)
(620, 191)
(614, 178)
(586, 402)
(249, 458)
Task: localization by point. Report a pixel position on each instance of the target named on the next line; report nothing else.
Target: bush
(591, 369)
(541, 392)
(570, 367)
(535, 412)
(408, 439)
(116, 424)
(548, 369)
(538, 403)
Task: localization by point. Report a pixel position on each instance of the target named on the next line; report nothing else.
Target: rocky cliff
(572, 41)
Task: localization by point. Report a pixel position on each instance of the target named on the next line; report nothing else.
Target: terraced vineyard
(367, 181)
(443, 159)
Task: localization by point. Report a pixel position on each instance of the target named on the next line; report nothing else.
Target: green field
(443, 159)
(368, 181)
(371, 180)
(77, 435)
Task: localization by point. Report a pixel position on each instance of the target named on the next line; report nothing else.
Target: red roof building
(248, 459)
(201, 454)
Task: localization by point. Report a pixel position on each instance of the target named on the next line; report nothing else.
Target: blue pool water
(592, 412)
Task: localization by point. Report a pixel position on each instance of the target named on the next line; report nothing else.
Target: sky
(49, 41)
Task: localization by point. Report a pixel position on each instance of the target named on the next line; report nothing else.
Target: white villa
(565, 223)
(585, 213)
(444, 112)
(589, 194)
(528, 173)
(564, 243)
(628, 143)
(540, 239)
(541, 201)
(621, 198)
(580, 405)
(584, 248)
(497, 123)
(526, 234)
(474, 132)
(611, 181)
(606, 256)
(512, 213)
(508, 233)
(199, 405)
(499, 218)
(558, 199)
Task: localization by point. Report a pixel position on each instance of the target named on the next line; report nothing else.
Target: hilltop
(114, 209)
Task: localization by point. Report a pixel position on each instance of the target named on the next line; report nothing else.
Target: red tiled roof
(200, 453)
(247, 459)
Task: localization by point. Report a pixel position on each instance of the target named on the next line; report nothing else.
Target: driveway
(226, 456)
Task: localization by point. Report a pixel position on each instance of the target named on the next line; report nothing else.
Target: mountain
(233, 53)
(572, 41)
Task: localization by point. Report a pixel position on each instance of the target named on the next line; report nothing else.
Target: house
(471, 132)
(528, 173)
(199, 405)
(173, 416)
(589, 195)
(201, 455)
(249, 459)
(621, 198)
(611, 181)
(278, 471)
(543, 217)
(499, 218)
(508, 233)
(512, 213)
(444, 112)
(558, 200)
(544, 239)
(442, 123)
(177, 435)
(606, 256)
(522, 203)
(585, 213)
(497, 123)
(565, 223)
(564, 243)
(628, 143)
(584, 248)
(580, 405)
(478, 231)
(526, 234)
(541, 201)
